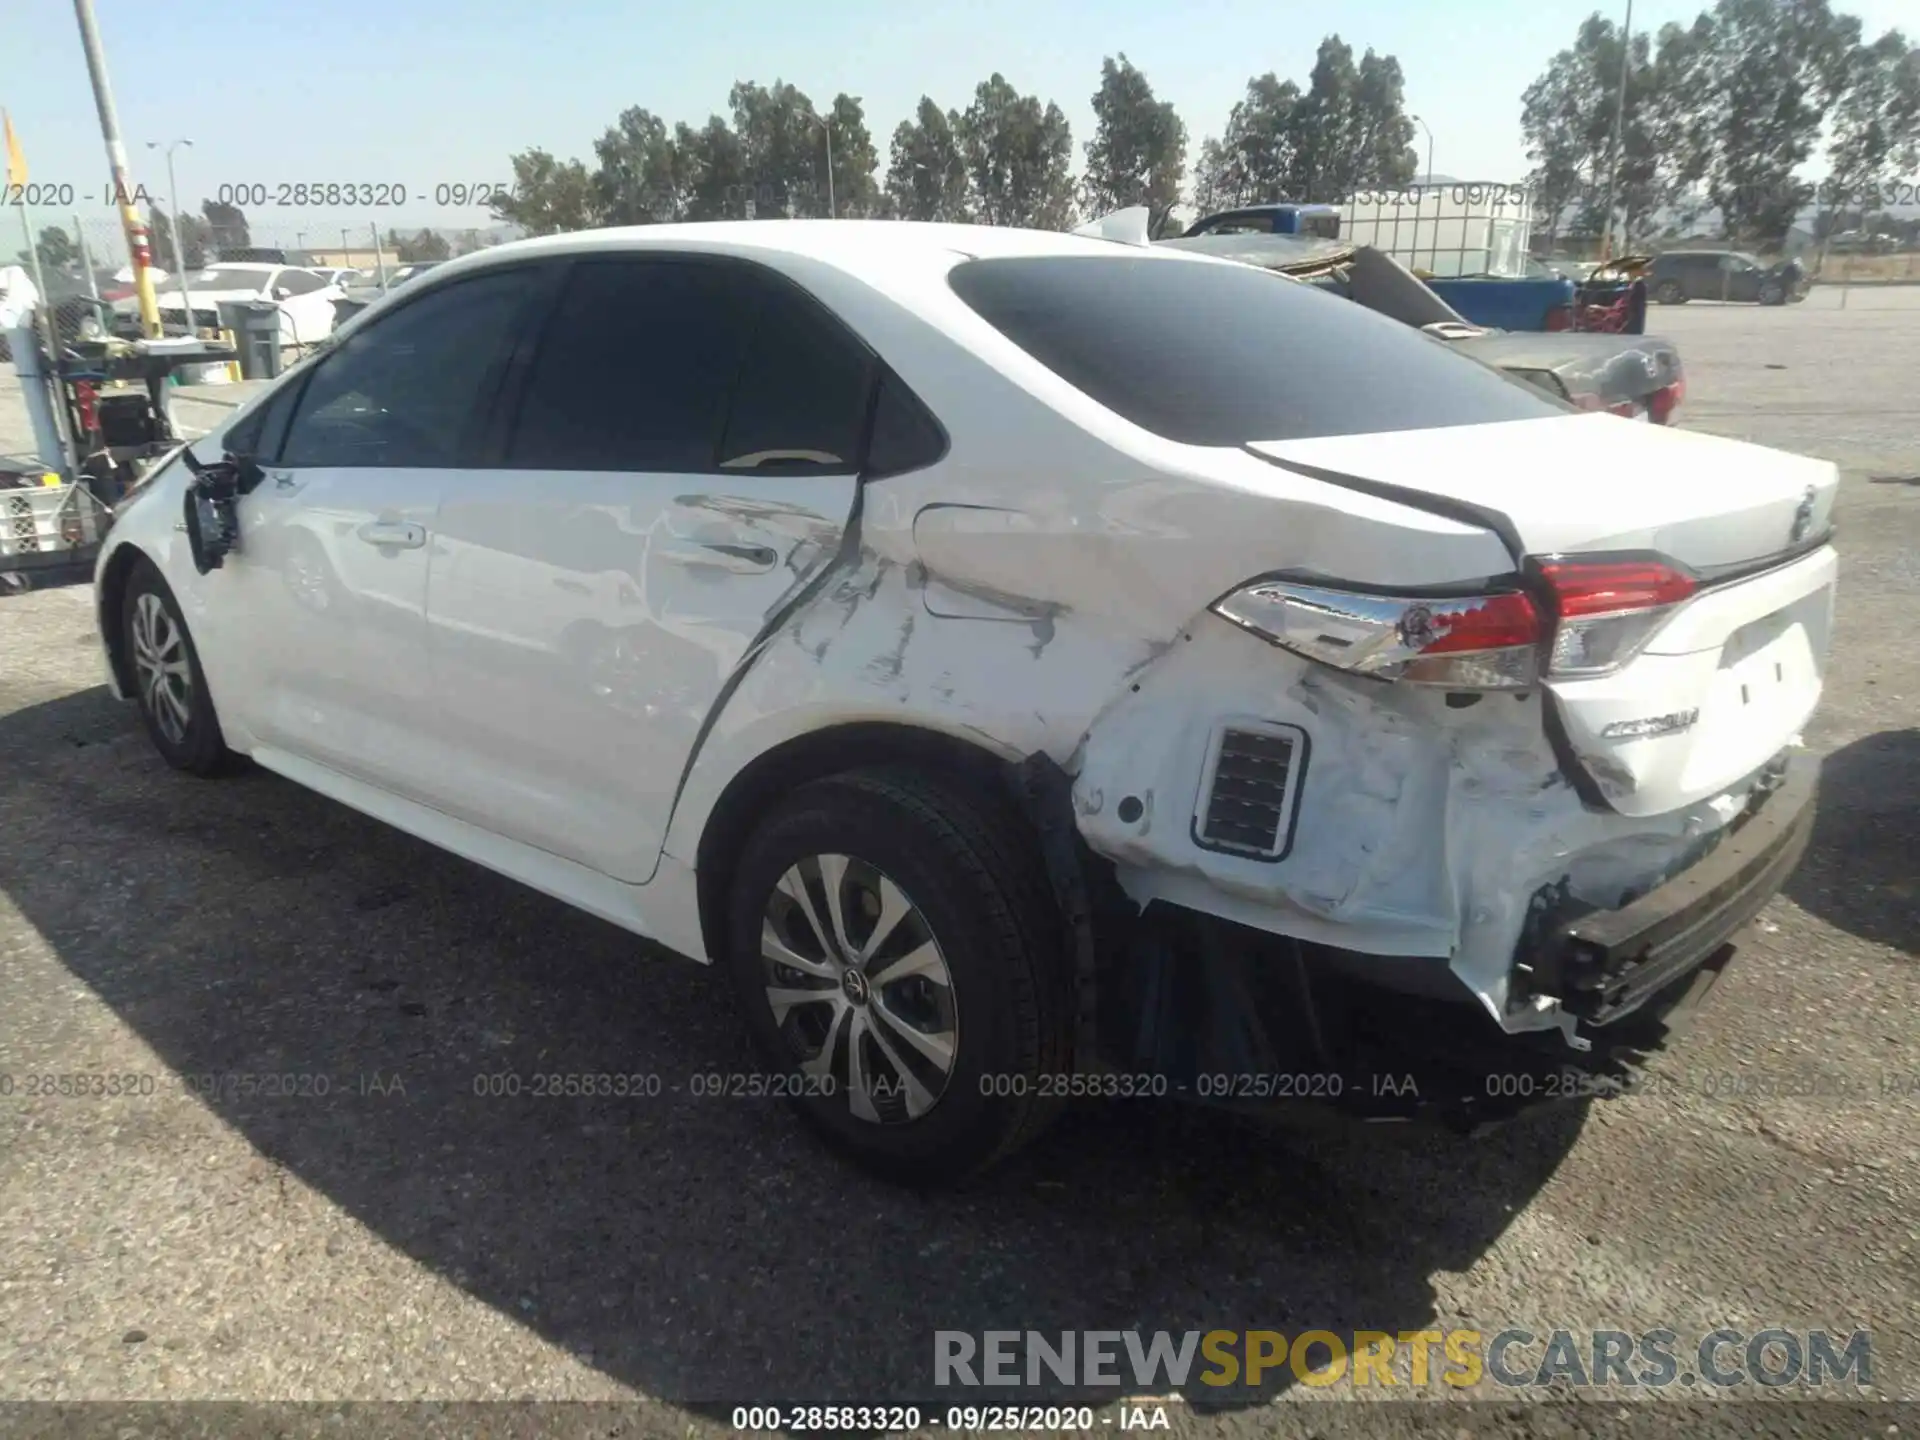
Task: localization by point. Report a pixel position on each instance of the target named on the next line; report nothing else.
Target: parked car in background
(1635, 376)
(304, 298)
(73, 308)
(1678, 276)
(1014, 659)
(341, 277)
(414, 271)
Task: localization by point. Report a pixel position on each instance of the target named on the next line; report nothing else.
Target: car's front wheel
(1773, 293)
(169, 685)
(898, 955)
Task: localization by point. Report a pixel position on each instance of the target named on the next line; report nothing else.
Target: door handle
(725, 555)
(396, 534)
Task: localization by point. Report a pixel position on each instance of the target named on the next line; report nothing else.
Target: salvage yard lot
(408, 1235)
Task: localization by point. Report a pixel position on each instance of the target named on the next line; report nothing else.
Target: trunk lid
(1577, 483)
(1732, 674)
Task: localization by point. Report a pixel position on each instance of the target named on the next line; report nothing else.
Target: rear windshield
(1225, 354)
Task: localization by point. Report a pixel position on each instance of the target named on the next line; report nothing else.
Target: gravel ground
(403, 1238)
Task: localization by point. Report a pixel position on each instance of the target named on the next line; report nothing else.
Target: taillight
(1459, 642)
(1664, 401)
(1605, 610)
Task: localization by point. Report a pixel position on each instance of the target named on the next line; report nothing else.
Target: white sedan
(1029, 665)
(303, 297)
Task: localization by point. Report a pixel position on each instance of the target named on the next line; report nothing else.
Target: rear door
(677, 455)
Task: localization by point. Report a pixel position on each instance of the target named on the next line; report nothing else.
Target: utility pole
(179, 243)
(1619, 122)
(827, 126)
(130, 220)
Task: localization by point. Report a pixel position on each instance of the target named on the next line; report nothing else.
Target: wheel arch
(815, 755)
(110, 596)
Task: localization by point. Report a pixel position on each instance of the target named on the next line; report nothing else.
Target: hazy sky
(420, 92)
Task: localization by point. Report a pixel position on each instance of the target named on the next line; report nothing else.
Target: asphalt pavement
(306, 1188)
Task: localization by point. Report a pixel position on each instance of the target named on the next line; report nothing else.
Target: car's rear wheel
(169, 685)
(899, 960)
(1668, 292)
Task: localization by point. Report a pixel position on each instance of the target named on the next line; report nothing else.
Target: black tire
(1668, 292)
(196, 746)
(1773, 293)
(977, 888)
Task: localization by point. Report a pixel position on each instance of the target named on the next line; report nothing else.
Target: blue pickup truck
(1542, 300)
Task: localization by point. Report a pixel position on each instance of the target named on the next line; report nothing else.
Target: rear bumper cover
(1220, 1012)
(1605, 966)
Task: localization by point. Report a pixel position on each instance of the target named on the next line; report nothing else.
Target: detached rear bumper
(1607, 965)
(1220, 1012)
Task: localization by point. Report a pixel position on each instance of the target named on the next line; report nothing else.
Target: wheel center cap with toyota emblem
(855, 986)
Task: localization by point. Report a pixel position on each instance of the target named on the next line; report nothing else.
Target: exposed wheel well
(112, 596)
(814, 757)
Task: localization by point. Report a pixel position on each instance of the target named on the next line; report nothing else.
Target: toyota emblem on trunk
(1802, 517)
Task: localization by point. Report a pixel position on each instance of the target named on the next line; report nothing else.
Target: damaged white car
(1029, 666)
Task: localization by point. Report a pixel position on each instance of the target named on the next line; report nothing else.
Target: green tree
(927, 173)
(1382, 139)
(1567, 118)
(56, 249)
(226, 226)
(781, 147)
(856, 187)
(714, 171)
(1019, 157)
(548, 195)
(638, 179)
(1138, 154)
(1324, 124)
(1775, 68)
(1251, 162)
(1876, 123)
(421, 246)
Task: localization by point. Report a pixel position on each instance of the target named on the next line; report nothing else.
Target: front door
(678, 455)
(330, 581)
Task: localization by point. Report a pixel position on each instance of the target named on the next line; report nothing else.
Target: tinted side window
(801, 400)
(633, 369)
(297, 282)
(402, 391)
(905, 436)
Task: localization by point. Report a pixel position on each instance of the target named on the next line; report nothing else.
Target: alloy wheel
(859, 988)
(160, 659)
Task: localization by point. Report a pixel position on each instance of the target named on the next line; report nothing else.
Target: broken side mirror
(212, 515)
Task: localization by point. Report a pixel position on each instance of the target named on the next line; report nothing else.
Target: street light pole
(179, 245)
(130, 221)
(1619, 123)
(1424, 126)
(827, 127)
(1423, 191)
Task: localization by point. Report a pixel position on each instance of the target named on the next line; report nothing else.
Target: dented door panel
(583, 625)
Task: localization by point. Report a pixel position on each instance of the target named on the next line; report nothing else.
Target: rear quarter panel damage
(1421, 829)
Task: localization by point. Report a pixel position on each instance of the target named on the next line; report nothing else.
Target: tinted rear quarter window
(905, 434)
(1226, 354)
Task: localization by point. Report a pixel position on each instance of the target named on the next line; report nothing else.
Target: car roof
(248, 265)
(862, 248)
